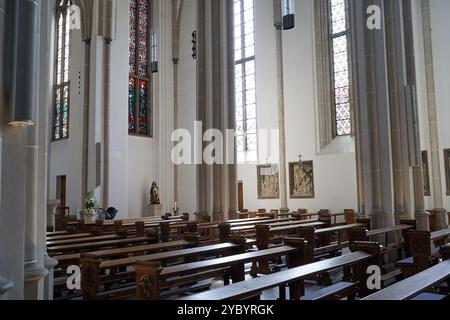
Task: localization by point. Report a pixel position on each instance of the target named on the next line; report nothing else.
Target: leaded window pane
(245, 80)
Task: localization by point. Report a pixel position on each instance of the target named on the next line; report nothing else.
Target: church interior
(224, 150)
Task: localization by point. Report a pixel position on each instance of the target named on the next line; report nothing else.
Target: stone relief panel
(268, 182)
(301, 180)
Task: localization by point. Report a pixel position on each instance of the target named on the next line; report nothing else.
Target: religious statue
(154, 194)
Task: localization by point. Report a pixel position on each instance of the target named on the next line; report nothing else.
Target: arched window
(339, 43)
(139, 78)
(245, 78)
(61, 114)
(333, 66)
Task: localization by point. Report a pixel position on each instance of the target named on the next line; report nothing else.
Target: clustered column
(437, 191)
(217, 184)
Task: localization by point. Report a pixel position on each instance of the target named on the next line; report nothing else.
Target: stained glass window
(139, 79)
(245, 79)
(62, 84)
(339, 43)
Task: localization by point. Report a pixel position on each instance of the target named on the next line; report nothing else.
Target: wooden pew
(362, 234)
(423, 254)
(89, 246)
(64, 261)
(69, 236)
(283, 224)
(367, 255)
(267, 236)
(414, 286)
(90, 238)
(192, 227)
(214, 232)
(57, 233)
(152, 278)
(74, 259)
(93, 267)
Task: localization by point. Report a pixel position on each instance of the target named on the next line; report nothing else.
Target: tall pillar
(441, 213)
(422, 217)
(177, 10)
(108, 36)
(35, 220)
(86, 7)
(217, 100)
(371, 112)
(281, 114)
(395, 68)
(232, 168)
(19, 150)
(202, 190)
(45, 129)
(215, 106)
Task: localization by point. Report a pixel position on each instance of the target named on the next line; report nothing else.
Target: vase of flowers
(91, 210)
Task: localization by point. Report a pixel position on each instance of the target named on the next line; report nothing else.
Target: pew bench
(63, 242)
(414, 286)
(294, 278)
(83, 247)
(336, 291)
(423, 253)
(57, 233)
(362, 234)
(103, 272)
(158, 278)
(66, 260)
(69, 236)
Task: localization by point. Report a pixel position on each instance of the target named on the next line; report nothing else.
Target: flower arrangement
(91, 205)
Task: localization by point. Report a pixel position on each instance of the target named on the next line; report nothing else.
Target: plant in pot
(91, 207)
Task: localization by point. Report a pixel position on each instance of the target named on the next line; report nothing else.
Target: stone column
(281, 114)
(395, 62)
(202, 189)
(232, 168)
(371, 112)
(422, 217)
(19, 154)
(441, 213)
(215, 106)
(35, 236)
(46, 117)
(217, 99)
(52, 205)
(86, 8)
(177, 10)
(108, 36)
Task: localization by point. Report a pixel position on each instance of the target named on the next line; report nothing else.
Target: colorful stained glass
(61, 118)
(245, 80)
(132, 105)
(133, 38)
(143, 38)
(139, 82)
(143, 108)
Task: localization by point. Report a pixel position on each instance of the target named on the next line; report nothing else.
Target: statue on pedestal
(154, 207)
(154, 194)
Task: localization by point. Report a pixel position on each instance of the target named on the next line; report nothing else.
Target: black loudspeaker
(288, 14)
(22, 30)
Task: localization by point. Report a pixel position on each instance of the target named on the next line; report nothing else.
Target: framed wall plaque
(301, 180)
(268, 182)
